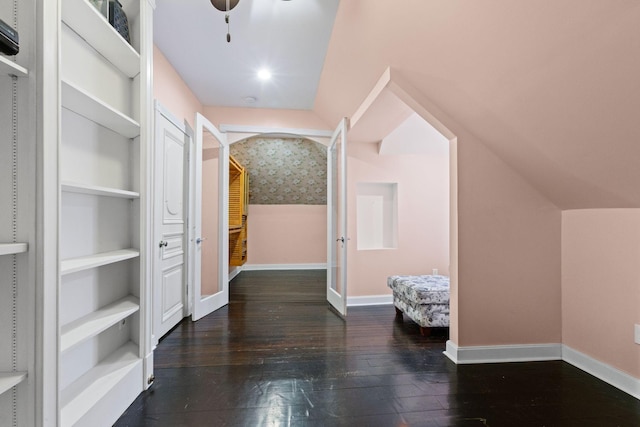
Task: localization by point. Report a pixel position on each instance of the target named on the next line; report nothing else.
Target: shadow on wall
(284, 171)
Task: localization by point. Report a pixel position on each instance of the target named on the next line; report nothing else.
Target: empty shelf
(85, 20)
(72, 187)
(94, 109)
(13, 248)
(73, 265)
(7, 66)
(92, 324)
(10, 379)
(83, 394)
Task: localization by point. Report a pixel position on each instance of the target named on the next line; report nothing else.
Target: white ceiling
(288, 37)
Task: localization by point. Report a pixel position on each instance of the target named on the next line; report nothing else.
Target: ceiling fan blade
(222, 4)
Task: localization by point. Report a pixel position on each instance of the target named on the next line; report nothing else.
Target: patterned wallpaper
(284, 171)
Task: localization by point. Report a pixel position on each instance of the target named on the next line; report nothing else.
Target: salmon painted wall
(508, 254)
(171, 91)
(297, 119)
(423, 216)
(287, 234)
(601, 285)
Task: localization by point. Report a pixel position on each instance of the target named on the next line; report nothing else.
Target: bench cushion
(420, 290)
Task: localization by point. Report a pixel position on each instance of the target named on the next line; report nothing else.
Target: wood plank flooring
(277, 356)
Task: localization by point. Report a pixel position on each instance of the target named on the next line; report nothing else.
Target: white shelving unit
(17, 220)
(75, 123)
(103, 354)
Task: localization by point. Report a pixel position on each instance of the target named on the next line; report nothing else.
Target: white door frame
(184, 127)
(203, 306)
(337, 239)
(237, 133)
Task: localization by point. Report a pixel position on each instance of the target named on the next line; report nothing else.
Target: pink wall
(171, 91)
(300, 119)
(508, 289)
(601, 285)
(423, 217)
(558, 105)
(287, 234)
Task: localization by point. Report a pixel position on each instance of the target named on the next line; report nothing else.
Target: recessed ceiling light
(264, 74)
(249, 99)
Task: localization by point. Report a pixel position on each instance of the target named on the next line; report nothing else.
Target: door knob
(200, 239)
(163, 243)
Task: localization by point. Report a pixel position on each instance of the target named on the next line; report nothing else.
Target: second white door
(170, 267)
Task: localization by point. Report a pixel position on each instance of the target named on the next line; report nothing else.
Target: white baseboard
(370, 300)
(539, 352)
(606, 373)
(503, 353)
(233, 273)
(256, 267)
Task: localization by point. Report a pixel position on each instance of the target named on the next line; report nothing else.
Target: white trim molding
(258, 267)
(321, 133)
(603, 371)
(503, 353)
(544, 352)
(369, 300)
(233, 272)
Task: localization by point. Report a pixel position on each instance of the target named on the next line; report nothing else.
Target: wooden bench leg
(398, 312)
(425, 331)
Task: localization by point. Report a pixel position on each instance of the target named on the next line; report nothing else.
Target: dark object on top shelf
(118, 19)
(9, 44)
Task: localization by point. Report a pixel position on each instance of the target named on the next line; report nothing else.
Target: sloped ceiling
(552, 87)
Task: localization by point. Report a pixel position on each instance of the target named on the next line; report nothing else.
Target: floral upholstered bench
(425, 299)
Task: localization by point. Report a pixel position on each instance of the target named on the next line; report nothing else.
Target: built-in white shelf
(89, 326)
(8, 380)
(83, 394)
(73, 265)
(13, 248)
(85, 20)
(95, 190)
(94, 109)
(7, 66)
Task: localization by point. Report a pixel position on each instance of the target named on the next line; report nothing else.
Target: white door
(170, 303)
(210, 219)
(337, 239)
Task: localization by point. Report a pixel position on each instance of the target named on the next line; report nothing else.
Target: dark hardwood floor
(277, 356)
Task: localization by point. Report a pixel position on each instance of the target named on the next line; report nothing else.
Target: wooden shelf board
(9, 67)
(80, 396)
(85, 20)
(13, 248)
(235, 230)
(94, 109)
(74, 265)
(92, 324)
(8, 380)
(72, 187)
